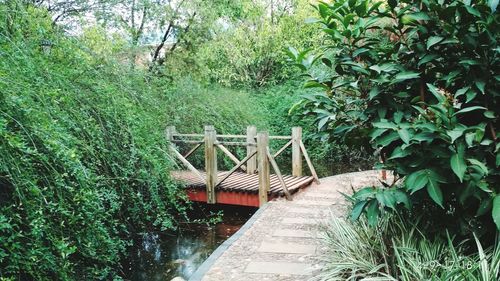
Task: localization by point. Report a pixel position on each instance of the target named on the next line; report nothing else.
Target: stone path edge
(207, 264)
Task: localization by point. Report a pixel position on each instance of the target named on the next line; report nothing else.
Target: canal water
(162, 256)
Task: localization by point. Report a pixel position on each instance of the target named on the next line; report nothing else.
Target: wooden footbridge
(249, 182)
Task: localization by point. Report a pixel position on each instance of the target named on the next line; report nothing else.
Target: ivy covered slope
(81, 158)
(421, 80)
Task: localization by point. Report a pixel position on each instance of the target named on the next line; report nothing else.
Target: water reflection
(163, 256)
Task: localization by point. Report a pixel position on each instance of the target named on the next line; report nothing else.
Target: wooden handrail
(186, 163)
(192, 150)
(233, 143)
(309, 163)
(230, 155)
(278, 174)
(187, 141)
(282, 149)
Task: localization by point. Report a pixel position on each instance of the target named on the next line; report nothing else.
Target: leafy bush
(419, 79)
(329, 158)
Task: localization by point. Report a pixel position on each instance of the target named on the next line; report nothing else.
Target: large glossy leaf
(416, 180)
(414, 17)
(405, 136)
(435, 192)
(372, 212)
(495, 213)
(433, 41)
(458, 165)
(406, 75)
(386, 198)
(469, 109)
(358, 209)
(455, 133)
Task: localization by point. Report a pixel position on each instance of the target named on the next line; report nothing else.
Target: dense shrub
(420, 79)
(83, 162)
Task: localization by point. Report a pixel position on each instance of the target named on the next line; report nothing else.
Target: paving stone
(291, 268)
(286, 248)
(300, 220)
(314, 203)
(302, 210)
(322, 196)
(293, 233)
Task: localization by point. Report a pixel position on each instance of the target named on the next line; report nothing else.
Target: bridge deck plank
(242, 182)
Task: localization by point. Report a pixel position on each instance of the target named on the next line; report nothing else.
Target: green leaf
(402, 197)
(493, 5)
(406, 75)
(489, 114)
(322, 122)
(480, 164)
(358, 209)
(433, 41)
(386, 67)
(455, 133)
(399, 153)
(461, 91)
(364, 193)
(470, 95)
(384, 124)
(412, 18)
(484, 207)
(372, 212)
(416, 180)
(435, 91)
(435, 192)
(473, 11)
(386, 199)
(469, 138)
(480, 85)
(404, 135)
(458, 165)
(427, 58)
(495, 213)
(387, 139)
(469, 109)
(374, 92)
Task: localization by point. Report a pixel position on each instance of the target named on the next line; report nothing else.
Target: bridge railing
(258, 159)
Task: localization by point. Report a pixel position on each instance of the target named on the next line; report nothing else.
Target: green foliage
(251, 51)
(83, 162)
(419, 80)
(396, 250)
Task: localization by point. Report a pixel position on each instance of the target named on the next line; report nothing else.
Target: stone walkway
(280, 241)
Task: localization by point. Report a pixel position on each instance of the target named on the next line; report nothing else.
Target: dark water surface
(163, 256)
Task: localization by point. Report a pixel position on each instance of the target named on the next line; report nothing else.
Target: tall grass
(396, 250)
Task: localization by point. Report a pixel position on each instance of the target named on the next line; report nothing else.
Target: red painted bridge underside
(227, 197)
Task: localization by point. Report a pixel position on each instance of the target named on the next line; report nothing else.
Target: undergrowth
(397, 250)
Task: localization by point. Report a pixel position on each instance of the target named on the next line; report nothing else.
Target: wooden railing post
(169, 133)
(296, 153)
(251, 149)
(210, 163)
(264, 175)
